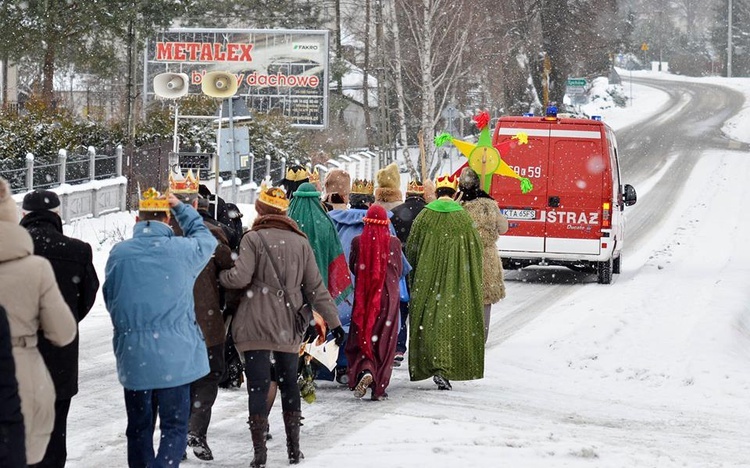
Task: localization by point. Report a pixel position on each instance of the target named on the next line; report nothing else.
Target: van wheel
(604, 271)
(616, 265)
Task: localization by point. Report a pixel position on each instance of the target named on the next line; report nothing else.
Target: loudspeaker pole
(216, 164)
(175, 137)
(231, 150)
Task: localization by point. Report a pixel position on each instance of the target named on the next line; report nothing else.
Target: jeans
(203, 392)
(403, 334)
(258, 374)
(173, 406)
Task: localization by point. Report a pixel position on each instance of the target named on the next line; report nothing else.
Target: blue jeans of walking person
(173, 407)
(403, 333)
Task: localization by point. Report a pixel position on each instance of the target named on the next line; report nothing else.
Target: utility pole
(130, 125)
(729, 40)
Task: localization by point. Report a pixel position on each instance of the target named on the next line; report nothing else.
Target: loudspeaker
(171, 85)
(219, 84)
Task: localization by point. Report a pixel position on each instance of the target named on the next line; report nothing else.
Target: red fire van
(574, 216)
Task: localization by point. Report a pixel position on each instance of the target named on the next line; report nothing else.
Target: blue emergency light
(598, 118)
(528, 114)
(551, 113)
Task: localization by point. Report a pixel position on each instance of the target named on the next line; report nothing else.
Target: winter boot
(200, 447)
(268, 430)
(442, 383)
(365, 380)
(291, 424)
(258, 427)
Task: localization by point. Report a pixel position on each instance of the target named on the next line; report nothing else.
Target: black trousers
(258, 366)
(57, 451)
(204, 390)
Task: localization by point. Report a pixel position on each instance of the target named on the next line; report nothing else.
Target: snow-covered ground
(651, 371)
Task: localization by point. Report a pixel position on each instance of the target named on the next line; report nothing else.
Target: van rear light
(606, 215)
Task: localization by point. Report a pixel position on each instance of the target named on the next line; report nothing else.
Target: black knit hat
(40, 200)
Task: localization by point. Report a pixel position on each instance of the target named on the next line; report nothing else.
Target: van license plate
(519, 214)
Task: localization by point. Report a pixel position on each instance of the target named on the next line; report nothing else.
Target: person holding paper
(375, 259)
(276, 267)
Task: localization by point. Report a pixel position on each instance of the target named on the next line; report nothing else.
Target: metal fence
(69, 169)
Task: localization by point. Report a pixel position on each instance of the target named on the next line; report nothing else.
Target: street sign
(241, 147)
(577, 82)
(644, 47)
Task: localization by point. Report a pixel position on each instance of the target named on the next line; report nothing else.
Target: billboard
(277, 70)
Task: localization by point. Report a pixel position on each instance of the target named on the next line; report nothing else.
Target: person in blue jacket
(349, 224)
(158, 345)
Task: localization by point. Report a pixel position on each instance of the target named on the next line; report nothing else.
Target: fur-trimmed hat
(338, 181)
(468, 180)
(40, 200)
(389, 184)
(8, 207)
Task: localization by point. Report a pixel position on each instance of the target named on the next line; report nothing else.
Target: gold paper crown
(314, 177)
(274, 197)
(415, 187)
(187, 184)
(151, 200)
(446, 181)
(362, 187)
(297, 174)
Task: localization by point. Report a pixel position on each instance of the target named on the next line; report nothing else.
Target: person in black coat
(76, 277)
(402, 219)
(12, 436)
(215, 211)
(233, 237)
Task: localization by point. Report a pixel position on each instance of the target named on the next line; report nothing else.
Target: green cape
(312, 219)
(446, 328)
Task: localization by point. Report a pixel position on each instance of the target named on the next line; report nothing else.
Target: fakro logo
(306, 47)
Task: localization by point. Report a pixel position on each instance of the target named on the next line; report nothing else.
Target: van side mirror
(630, 195)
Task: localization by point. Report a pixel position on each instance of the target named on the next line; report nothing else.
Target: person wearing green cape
(446, 320)
(307, 211)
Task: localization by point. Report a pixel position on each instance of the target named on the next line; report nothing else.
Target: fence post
(252, 169)
(268, 166)
(62, 160)
(92, 163)
(118, 161)
(283, 168)
(29, 171)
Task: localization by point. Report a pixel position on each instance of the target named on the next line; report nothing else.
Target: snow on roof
(352, 82)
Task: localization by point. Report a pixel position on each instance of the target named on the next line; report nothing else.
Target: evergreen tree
(740, 35)
(256, 14)
(84, 33)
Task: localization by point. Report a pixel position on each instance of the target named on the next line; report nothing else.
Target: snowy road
(649, 371)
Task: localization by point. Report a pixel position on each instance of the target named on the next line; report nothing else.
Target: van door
(578, 163)
(525, 212)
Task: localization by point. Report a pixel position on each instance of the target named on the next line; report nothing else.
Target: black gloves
(338, 334)
(310, 334)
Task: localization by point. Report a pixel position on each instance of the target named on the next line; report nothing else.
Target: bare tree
(398, 79)
(437, 33)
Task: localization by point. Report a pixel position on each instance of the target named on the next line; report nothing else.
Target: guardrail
(93, 184)
(73, 169)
